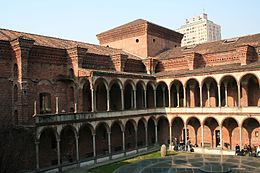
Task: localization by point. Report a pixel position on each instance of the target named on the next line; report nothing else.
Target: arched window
(45, 103)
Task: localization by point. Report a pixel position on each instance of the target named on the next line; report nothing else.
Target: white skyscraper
(199, 29)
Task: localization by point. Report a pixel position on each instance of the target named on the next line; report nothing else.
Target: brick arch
(230, 132)
(252, 74)
(232, 91)
(119, 122)
(213, 99)
(210, 130)
(85, 141)
(177, 93)
(250, 126)
(162, 97)
(130, 134)
(85, 96)
(47, 138)
(194, 130)
(163, 129)
(208, 77)
(177, 124)
(116, 136)
(102, 131)
(250, 94)
(68, 136)
(150, 87)
(131, 82)
(192, 92)
(225, 76)
(100, 80)
(115, 81)
(115, 92)
(141, 137)
(129, 88)
(101, 89)
(191, 79)
(140, 97)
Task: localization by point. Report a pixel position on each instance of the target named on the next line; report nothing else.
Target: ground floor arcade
(57, 145)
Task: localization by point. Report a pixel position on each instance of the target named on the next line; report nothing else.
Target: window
(137, 40)
(45, 103)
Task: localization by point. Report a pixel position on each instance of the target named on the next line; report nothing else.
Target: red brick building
(89, 103)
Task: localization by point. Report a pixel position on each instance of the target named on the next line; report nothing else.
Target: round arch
(230, 132)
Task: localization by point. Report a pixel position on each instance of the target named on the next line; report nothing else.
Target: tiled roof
(47, 41)
(213, 47)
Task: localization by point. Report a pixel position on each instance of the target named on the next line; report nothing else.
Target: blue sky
(81, 19)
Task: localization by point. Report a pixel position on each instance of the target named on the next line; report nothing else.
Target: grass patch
(109, 168)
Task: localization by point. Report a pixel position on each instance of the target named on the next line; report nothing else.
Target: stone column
(185, 140)
(238, 95)
(202, 136)
(220, 135)
(154, 93)
(170, 137)
(37, 154)
(145, 101)
(122, 100)
(200, 95)
(94, 144)
(77, 148)
(184, 97)
(208, 94)
(108, 101)
(109, 142)
(134, 99)
(156, 135)
(136, 139)
(178, 96)
(58, 154)
(226, 94)
(75, 108)
(57, 105)
(93, 100)
(163, 92)
(240, 135)
(170, 96)
(219, 96)
(146, 135)
(123, 138)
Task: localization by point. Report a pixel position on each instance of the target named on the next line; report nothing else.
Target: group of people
(248, 150)
(181, 146)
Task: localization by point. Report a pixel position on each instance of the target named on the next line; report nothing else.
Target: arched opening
(71, 73)
(15, 93)
(193, 126)
(86, 96)
(85, 142)
(130, 136)
(250, 132)
(162, 97)
(140, 96)
(151, 131)
(129, 96)
(230, 133)
(116, 137)
(141, 133)
(249, 90)
(102, 139)
(228, 91)
(101, 96)
(67, 145)
(177, 95)
(163, 131)
(193, 93)
(115, 97)
(150, 95)
(211, 133)
(178, 130)
(209, 93)
(48, 148)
